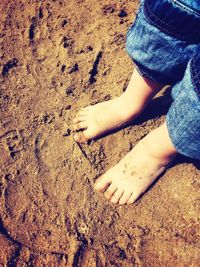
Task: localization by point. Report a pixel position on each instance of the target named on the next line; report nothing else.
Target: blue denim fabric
(164, 43)
(183, 117)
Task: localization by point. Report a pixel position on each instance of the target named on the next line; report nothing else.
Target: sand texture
(56, 57)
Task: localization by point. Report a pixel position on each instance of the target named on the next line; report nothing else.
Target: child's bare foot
(94, 121)
(101, 118)
(126, 181)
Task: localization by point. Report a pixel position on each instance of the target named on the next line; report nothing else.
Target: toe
(80, 137)
(116, 196)
(124, 198)
(86, 108)
(132, 199)
(102, 183)
(84, 136)
(80, 116)
(78, 119)
(83, 112)
(80, 125)
(110, 191)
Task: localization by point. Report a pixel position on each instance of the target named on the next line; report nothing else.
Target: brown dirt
(58, 56)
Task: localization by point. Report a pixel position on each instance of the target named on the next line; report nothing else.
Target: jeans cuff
(195, 73)
(145, 72)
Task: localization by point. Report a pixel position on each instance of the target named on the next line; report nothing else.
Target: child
(164, 45)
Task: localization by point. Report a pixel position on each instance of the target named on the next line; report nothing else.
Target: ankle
(159, 146)
(162, 157)
(131, 104)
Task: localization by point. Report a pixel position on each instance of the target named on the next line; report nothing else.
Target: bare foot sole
(94, 121)
(126, 181)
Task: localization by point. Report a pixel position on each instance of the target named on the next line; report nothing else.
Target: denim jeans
(164, 43)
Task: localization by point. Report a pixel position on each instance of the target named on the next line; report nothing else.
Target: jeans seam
(133, 26)
(149, 13)
(141, 72)
(194, 76)
(181, 5)
(177, 141)
(130, 30)
(173, 138)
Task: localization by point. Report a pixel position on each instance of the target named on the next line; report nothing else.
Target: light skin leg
(132, 176)
(126, 181)
(94, 121)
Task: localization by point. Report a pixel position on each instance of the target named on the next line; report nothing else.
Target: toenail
(107, 195)
(113, 201)
(97, 187)
(76, 137)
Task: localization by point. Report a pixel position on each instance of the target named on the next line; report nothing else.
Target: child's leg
(104, 117)
(161, 48)
(159, 56)
(126, 181)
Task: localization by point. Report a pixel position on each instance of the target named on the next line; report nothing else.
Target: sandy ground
(58, 56)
